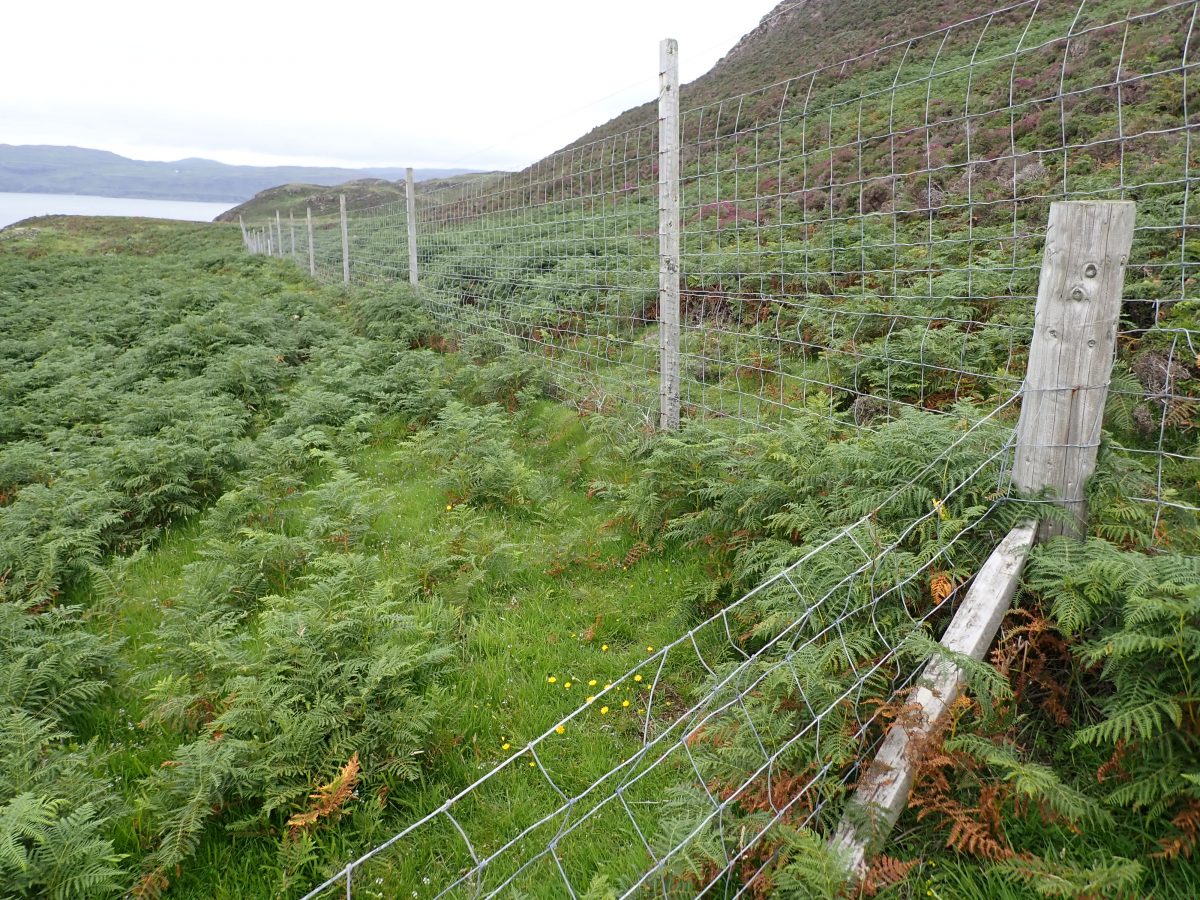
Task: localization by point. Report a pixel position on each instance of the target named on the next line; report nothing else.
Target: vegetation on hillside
(362, 193)
(279, 576)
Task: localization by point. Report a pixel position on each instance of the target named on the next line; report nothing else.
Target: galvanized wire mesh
(562, 257)
(378, 239)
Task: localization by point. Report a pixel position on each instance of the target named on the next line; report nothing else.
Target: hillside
(794, 38)
(859, 270)
(37, 169)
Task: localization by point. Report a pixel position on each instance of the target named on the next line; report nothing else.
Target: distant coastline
(21, 205)
(79, 171)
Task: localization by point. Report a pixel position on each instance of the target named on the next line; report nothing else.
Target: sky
(468, 84)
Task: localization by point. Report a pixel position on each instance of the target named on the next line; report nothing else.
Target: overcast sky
(468, 84)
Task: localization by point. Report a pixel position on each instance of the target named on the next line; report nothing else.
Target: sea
(15, 207)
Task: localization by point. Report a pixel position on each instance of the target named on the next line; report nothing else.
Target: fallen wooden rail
(884, 790)
(1062, 407)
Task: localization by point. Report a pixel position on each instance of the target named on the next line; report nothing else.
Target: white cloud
(471, 84)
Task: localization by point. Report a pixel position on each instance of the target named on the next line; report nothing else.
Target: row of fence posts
(1059, 385)
(270, 242)
(1063, 398)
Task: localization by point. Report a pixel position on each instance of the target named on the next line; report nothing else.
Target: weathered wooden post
(668, 235)
(279, 232)
(1071, 355)
(312, 257)
(345, 241)
(292, 232)
(245, 238)
(1062, 406)
(410, 200)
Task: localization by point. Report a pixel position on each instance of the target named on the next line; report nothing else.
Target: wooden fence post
(668, 235)
(312, 257)
(245, 239)
(1071, 354)
(1062, 407)
(292, 232)
(279, 232)
(345, 241)
(410, 198)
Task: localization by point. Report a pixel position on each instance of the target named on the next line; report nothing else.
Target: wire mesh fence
(562, 257)
(856, 239)
(758, 716)
(859, 239)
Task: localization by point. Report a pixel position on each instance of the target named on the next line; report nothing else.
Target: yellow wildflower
(604, 648)
(559, 729)
(592, 683)
(590, 699)
(552, 679)
(624, 704)
(637, 677)
(532, 764)
(449, 506)
(649, 649)
(607, 686)
(604, 710)
(567, 685)
(505, 746)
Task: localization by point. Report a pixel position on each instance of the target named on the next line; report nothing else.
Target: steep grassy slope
(794, 38)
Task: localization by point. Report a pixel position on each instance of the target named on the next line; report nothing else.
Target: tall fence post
(345, 241)
(1062, 406)
(410, 197)
(279, 232)
(312, 256)
(245, 239)
(1071, 354)
(668, 234)
(292, 231)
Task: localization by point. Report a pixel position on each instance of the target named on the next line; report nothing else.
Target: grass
(561, 597)
(532, 591)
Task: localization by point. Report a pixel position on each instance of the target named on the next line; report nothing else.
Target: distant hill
(362, 193)
(37, 169)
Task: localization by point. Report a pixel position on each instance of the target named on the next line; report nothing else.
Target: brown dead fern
(328, 800)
